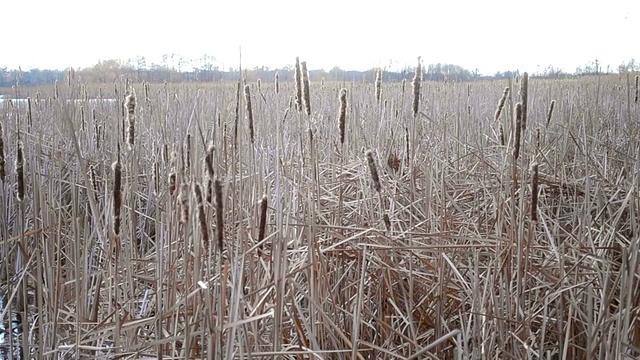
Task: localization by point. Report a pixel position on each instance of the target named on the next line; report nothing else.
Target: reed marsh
(301, 219)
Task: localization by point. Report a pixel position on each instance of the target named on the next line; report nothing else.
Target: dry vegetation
(322, 220)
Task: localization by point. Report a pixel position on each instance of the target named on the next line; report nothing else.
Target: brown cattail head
(378, 84)
(534, 192)
(298, 79)
(404, 85)
(117, 193)
(184, 202)
(550, 113)
(247, 99)
(83, 124)
(219, 214)
(94, 180)
(524, 94)
(20, 172)
(517, 128)
(637, 88)
(501, 135)
(505, 93)
(156, 177)
(202, 217)
(187, 164)
(374, 170)
(2, 161)
(172, 183)
(130, 106)
(343, 113)
(263, 220)
(417, 79)
(277, 87)
(306, 97)
(259, 83)
(208, 162)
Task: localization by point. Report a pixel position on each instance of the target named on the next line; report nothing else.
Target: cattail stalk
(263, 220)
(202, 218)
(534, 192)
(117, 193)
(503, 99)
(550, 113)
(518, 130)
(184, 202)
(208, 161)
(237, 116)
(247, 99)
(343, 113)
(637, 88)
(130, 105)
(378, 85)
(20, 171)
(417, 79)
(2, 161)
(524, 93)
(306, 97)
(374, 170)
(219, 217)
(298, 79)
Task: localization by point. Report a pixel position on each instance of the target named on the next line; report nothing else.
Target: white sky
(487, 35)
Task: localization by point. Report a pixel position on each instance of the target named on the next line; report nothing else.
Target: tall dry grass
(464, 249)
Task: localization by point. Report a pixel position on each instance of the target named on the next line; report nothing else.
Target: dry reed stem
(20, 172)
(2, 158)
(298, 79)
(219, 214)
(306, 96)
(550, 113)
(117, 193)
(534, 192)
(247, 99)
(263, 221)
(417, 79)
(343, 113)
(130, 106)
(517, 131)
(187, 164)
(503, 99)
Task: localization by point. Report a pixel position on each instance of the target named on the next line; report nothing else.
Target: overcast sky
(487, 35)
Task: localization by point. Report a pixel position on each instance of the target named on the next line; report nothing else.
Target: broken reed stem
(184, 202)
(20, 171)
(534, 192)
(202, 218)
(2, 161)
(306, 97)
(263, 221)
(117, 193)
(130, 105)
(342, 116)
(417, 79)
(550, 113)
(378, 85)
(524, 93)
(208, 162)
(517, 131)
(277, 85)
(503, 99)
(298, 79)
(219, 217)
(374, 170)
(247, 99)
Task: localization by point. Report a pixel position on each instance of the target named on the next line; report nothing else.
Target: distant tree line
(176, 69)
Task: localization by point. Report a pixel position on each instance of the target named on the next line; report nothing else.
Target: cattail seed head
(343, 113)
(172, 183)
(202, 217)
(2, 161)
(247, 98)
(219, 214)
(306, 97)
(93, 179)
(130, 106)
(637, 78)
(501, 135)
(20, 172)
(298, 79)
(417, 79)
(534, 192)
(184, 202)
(117, 193)
(550, 113)
(378, 84)
(524, 94)
(518, 130)
(277, 85)
(373, 170)
(208, 160)
(259, 83)
(505, 93)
